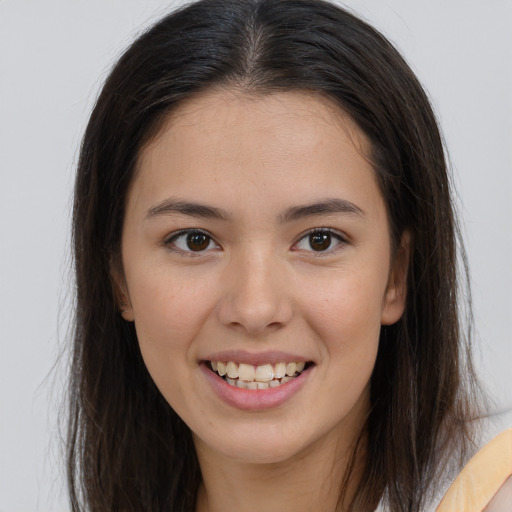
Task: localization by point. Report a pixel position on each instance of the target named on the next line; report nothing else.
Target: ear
(396, 292)
(120, 289)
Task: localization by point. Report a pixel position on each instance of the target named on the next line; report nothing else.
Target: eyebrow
(294, 213)
(170, 206)
(324, 207)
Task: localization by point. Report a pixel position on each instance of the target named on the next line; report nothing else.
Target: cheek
(347, 305)
(169, 311)
(169, 308)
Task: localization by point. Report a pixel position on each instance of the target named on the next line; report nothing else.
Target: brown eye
(191, 241)
(320, 241)
(198, 241)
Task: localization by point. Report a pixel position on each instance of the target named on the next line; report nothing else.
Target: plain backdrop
(54, 56)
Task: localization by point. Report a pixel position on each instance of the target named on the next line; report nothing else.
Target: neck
(310, 480)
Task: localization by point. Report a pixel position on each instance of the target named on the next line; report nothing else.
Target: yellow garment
(481, 478)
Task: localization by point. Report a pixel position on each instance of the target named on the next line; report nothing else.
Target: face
(256, 241)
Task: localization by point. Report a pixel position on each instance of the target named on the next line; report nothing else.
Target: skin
(260, 286)
(502, 500)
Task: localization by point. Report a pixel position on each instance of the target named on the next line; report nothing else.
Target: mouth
(265, 376)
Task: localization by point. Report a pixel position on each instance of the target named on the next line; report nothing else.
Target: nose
(255, 298)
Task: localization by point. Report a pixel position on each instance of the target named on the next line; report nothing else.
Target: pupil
(320, 241)
(197, 241)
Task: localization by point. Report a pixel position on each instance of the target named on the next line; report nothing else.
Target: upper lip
(256, 359)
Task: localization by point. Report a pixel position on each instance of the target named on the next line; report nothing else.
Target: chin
(274, 453)
(257, 445)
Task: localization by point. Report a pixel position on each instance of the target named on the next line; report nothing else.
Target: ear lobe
(127, 312)
(120, 291)
(396, 292)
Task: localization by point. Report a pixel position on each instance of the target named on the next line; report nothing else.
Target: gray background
(53, 58)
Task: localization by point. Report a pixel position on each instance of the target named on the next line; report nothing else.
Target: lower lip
(254, 399)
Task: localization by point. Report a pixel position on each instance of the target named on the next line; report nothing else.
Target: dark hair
(127, 448)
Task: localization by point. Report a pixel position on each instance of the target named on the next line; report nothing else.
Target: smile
(266, 376)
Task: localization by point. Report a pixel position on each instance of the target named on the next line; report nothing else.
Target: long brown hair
(127, 448)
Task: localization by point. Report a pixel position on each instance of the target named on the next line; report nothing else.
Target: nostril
(255, 311)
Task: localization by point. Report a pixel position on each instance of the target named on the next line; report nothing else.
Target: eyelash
(170, 242)
(342, 240)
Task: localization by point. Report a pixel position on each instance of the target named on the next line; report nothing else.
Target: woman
(267, 303)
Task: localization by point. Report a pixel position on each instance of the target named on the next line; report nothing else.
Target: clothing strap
(481, 478)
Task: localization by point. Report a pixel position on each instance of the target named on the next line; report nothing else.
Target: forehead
(294, 114)
(291, 145)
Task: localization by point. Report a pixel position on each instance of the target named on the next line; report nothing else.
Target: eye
(191, 241)
(319, 240)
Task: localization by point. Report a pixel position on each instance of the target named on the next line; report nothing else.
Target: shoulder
(502, 500)
(485, 483)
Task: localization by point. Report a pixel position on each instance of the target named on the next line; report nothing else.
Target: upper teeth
(262, 373)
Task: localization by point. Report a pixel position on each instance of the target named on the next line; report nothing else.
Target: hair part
(127, 448)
